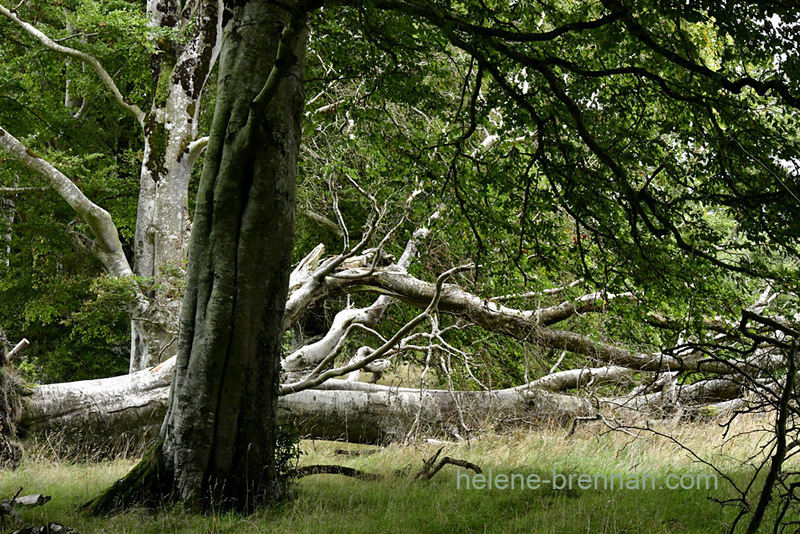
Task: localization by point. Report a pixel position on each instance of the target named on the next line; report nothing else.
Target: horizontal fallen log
(127, 409)
(131, 407)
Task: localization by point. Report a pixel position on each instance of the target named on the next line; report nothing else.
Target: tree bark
(109, 413)
(112, 411)
(216, 446)
(170, 151)
(106, 414)
(180, 69)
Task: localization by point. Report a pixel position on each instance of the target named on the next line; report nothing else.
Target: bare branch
(307, 470)
(535, 294)
(575, 378)
(18, 348)
(383, 349)
(194, 150)
(90, 60)
(526, 325)
(321, 220)
(585, 304)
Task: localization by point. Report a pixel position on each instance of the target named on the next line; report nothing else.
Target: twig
(345, 452)
(383, 349)
(581, 419)
(452, 461)
(428, 471)
(17, 190)
(427, 464)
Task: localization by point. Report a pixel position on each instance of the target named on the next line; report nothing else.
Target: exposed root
(307, 470)
(10, 408)
(148, 484)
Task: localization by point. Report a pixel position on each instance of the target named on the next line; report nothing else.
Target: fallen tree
(118, 410)
(130, 408)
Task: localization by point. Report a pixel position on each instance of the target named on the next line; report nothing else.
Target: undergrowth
(399, 503)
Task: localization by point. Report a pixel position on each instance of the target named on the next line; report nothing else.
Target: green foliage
(644, 154)
(75, 322)
(49, 285)
(287, 450)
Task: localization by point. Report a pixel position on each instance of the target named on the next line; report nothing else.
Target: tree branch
(285, 59)
(109, 248)
(18, 190)
(91, 61)
(383, 349)
(194, 150)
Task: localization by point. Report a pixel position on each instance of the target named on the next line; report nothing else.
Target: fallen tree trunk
(127, 411)
(370, 413)
(104, 414)
(114, 411)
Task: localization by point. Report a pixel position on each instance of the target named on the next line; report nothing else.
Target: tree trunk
(170, 151)
(162, 232)
(111, 412)
(108, 414)
(8, 210)
(217, 443)
(180, 67)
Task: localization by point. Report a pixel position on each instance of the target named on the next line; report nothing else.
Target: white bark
(134, 405)
(100, 411)
(575, 378)
(18, 349)
(171, 148)
(303, 360)
(107, 244)
(361, 412)
(301, 286)
(88, 59)
(8, 212)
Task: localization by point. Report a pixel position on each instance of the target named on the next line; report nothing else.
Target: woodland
(228, 224)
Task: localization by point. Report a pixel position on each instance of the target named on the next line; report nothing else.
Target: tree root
(10, 408)
(148, 484)
(307, 470)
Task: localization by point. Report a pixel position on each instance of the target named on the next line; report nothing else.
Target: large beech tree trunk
(219, 432)
(217, 442)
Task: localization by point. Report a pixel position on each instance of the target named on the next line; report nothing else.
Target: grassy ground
(332, 503)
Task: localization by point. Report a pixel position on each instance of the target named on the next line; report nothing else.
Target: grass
(330, 503)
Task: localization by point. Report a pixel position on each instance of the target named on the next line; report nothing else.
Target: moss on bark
(148, 484)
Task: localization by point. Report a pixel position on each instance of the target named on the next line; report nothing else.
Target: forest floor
(646, 464)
